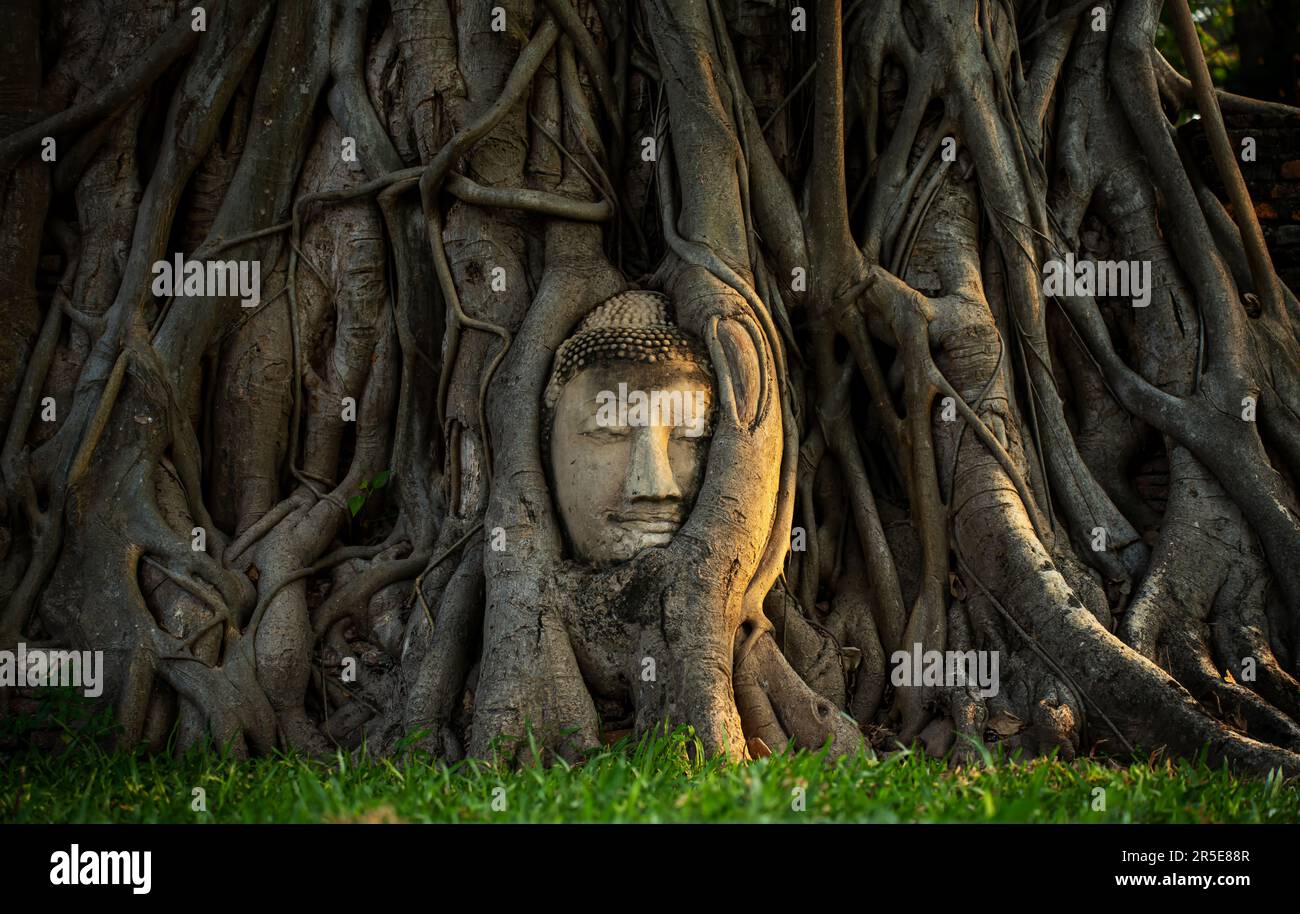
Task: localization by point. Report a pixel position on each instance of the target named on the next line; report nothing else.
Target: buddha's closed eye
(602, 434)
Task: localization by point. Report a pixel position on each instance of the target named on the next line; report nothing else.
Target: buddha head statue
(625, 428)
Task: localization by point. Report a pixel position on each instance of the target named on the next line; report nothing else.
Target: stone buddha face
(628, 410)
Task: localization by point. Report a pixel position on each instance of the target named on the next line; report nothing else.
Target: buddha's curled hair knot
(633, 326)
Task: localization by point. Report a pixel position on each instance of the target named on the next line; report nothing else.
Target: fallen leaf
(956, 586)
(1005, 724)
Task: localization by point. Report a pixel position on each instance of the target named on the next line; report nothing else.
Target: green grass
(651, 781)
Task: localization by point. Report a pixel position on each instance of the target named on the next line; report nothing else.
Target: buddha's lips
(657, 522)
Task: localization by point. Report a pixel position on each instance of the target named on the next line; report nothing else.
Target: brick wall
(1273, 180)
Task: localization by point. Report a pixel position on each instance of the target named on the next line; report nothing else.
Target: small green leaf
(355, 503)
(380, 480)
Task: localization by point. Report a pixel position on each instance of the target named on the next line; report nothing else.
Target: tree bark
(919, 446)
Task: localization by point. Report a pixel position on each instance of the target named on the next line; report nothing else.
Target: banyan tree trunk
(327, 517)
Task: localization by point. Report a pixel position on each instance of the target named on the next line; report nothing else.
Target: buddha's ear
(744, 376)
(743, 361)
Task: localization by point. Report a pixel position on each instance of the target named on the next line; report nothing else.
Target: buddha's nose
(649, 472)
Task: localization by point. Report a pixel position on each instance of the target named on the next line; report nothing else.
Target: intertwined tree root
(852, 208)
